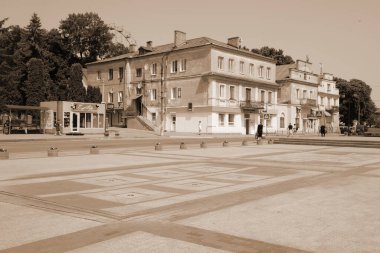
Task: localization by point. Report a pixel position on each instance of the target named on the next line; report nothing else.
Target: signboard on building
(77, 107)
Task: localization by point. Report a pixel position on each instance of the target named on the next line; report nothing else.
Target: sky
(343, 35)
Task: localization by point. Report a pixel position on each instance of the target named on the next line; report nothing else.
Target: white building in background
(306, 99)
(225, 87)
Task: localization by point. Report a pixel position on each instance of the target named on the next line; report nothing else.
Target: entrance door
(247, 126)
(74, 122)
(173, 125)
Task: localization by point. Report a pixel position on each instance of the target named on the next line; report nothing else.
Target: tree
(76, 90)
(88, 37)
(36, 85)
(354, 94)
(93, 95)
(275, 54)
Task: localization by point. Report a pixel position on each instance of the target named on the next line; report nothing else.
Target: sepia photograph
(178, 126)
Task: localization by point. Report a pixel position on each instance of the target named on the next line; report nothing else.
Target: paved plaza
(255, 198)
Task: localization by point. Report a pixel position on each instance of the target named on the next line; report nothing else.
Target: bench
(372, 132)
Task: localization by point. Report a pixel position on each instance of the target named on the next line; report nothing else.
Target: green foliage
(88, 37)
(354, 93)
(36, 85)
(76, 90)
(93, 95)
(275, 54)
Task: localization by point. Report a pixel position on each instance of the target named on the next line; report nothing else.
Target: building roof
(192, 43)
(282, 71)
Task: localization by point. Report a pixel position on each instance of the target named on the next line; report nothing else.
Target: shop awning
(327, 114)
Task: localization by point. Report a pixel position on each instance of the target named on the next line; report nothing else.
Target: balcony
(252, 106)
(308, 101)
(333, 109)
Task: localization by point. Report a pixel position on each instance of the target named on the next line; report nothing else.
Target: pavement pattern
(255, 198)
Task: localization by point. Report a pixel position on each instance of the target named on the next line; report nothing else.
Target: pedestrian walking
(290, 129)
(57, 125)
(259, 131)
(323, 130)
(199, 127)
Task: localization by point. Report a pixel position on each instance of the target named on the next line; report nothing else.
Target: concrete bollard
(244, 143)
(117, 133)
(182, 146)
(259, 142)
(106, 133)
(203, 144)
(270, 141)
(4, 154)
(94, 150)
(53, 152)
(158, 147)
(226, 144)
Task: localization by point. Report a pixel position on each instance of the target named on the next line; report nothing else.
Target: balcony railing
(250, 105)
(308, 101)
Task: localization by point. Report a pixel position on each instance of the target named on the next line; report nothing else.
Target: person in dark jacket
(323, 131)
(259, 131)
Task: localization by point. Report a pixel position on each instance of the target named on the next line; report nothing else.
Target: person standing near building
(323, 131)
(290, 129)
(57, 125)
(259, 131)
(199, 127)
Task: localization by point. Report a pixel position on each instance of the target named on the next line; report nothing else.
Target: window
(328, 103)
(232, 92)
(95, 120)
(241, 67)
(251, 69)
(247, 94)
(270, 97)
(176, 93)
(88, 120)
(220, 63)
(154, 117)
(268, 73)
(262, 96)
(179, 91)
(335, 102)
(139, 72)
(120, 96)
(231, 65)
(311, 94)
(328, 87)
(153, 70)
(110, 74)
(221, 119)
(261, 68)
(101, 120)
(99, 75)
(153, 94)
(322, 98)
(298, 93)
(121, 73)
(231, 119)
(174, 67)
(182, 65)
(304, 93)
(82, 120)
(222, 91)
(110, 97)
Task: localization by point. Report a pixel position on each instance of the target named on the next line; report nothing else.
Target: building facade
(307, 100)
(190, 83)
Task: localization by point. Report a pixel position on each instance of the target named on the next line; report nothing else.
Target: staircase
(141, 123)
(327, 142)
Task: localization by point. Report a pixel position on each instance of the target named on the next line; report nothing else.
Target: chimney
(149, 44)
(132, 48)
(234, 42)
(179, 38)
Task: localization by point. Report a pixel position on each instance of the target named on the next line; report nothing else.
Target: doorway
(247, 126)
(74, 122)
(173, 123)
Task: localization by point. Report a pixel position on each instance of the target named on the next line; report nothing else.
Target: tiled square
(129, 195)
(164, 173)
(206, 169)
(240, 177)
(110, 180)
(195, 184)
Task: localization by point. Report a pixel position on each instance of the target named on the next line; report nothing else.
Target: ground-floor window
(221, 119)
(231, 119)
(282, 121)
(91, 120)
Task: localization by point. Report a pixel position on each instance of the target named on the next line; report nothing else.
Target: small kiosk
(74, 117)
